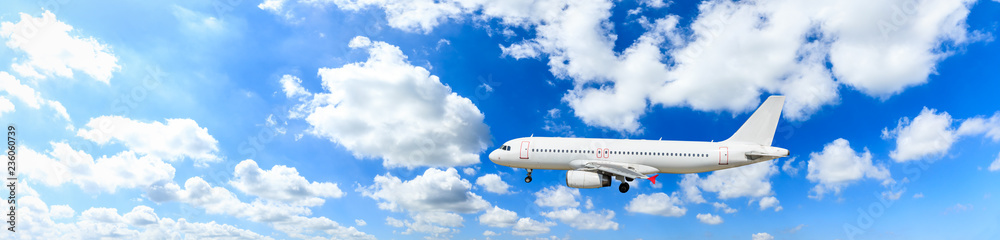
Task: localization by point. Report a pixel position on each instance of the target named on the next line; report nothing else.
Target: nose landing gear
(528, 178)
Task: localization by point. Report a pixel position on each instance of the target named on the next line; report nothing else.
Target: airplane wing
(617, 169)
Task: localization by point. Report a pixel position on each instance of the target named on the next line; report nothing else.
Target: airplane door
(723, 156)
(524, 149)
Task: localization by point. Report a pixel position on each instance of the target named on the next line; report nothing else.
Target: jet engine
(584, 179)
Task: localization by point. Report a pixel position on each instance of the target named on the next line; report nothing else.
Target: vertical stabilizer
(759, 129)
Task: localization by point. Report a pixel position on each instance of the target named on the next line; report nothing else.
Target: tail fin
(760, 127)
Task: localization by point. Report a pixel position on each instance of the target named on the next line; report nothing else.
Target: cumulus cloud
(557, 196)
(928, 134)
(283, 184)
(595, 220)
(389, 109)
(437, 224)
(751, 181)
(990, 127)
(176, 139)
(292, 86)
(288, 218)
(528, 226)
(770, 202)
(435, 190)
(498, 217)
(27, 95)
(725, 208)
(734, 52)
(5, 106)
(838, 165)
(64, 164)
(708, 218)
(763, 236)
(51, 51)
(95, 223)
(493, 183)
(657, 204)
(931, 133)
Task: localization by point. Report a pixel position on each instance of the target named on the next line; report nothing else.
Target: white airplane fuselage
(592, 162)
(663, 156)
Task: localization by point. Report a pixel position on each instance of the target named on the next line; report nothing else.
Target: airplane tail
(760, 127)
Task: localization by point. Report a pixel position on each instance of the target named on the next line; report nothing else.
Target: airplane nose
(494, 156)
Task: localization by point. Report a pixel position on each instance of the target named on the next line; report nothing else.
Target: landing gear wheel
(623, 187)
(528, 178)
(628, 179)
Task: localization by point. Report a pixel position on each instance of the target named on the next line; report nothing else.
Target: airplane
(592, 162)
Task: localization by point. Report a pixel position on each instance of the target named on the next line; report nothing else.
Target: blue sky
(290, 119)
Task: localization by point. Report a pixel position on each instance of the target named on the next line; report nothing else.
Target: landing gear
(623, 187)
(528, 178)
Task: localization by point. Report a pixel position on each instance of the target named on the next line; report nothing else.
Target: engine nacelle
(584, 179)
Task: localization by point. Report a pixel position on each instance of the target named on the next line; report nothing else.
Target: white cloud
(995, 166)
(493, 183)
(498, 217)
(61, 211)
(19, 91)
(437, 224)
(584, 220)
(387, 108)
(51, 51)
(791, 167)
(521, 50)
(283, 184)
(725, 208)
(763, 236)
(272, 5)
(981, 125)
(469, 171)
(557, 196)
(769, 202)
(287, 218)
(748, 181)
(528, 226)
(708, 218)
(292, 86)
(176, 139)
(391, 221)
(98, 223)
(689, 186)
(735, 51)
(655, 3)
(490, 233)
(657, 204)
(106, 174)
(918, 195)
(5, 106)
(27, 95)
(360, 223)
(838, 165)
(931, 133)
(435, 190)
(928, 134)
